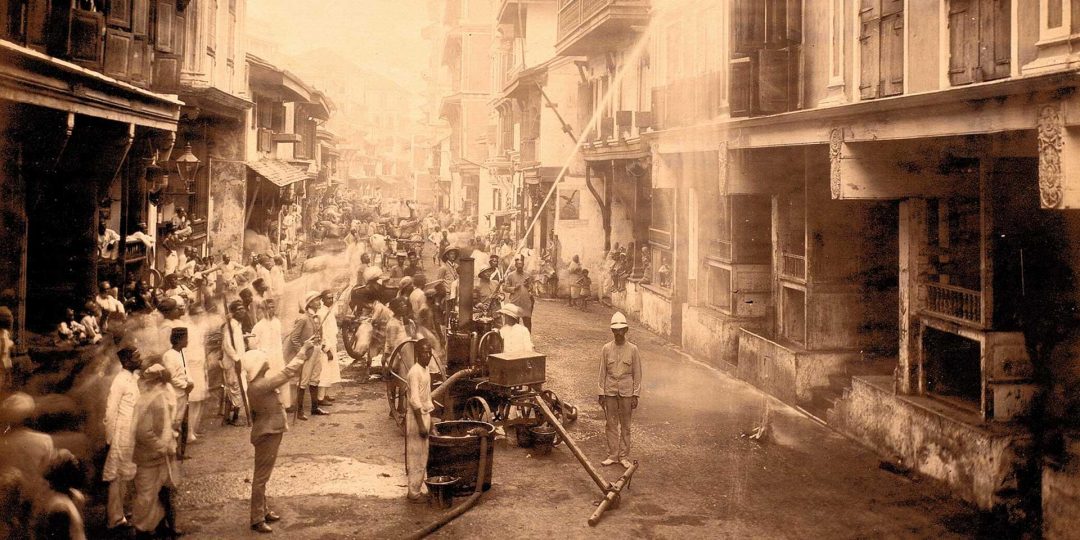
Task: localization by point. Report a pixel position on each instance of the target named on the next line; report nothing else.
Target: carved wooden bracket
(1051, 138)
(836, 144)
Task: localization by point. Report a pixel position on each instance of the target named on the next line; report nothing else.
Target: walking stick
(184, 430)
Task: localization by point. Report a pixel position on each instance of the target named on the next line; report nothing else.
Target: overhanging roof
(278, 172)
(28, 76)
(266, 76)
(215, 101)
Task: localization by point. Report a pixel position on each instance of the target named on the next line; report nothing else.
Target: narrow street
(342, 476)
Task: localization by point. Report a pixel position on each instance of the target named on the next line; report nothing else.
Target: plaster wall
(709, 334)
(787, 372)
(1061, 494)
(980, 462)
(655, 310)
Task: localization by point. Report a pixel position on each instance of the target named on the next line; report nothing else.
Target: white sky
(381, 35)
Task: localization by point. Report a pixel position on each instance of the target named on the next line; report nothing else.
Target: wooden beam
(761, 171)
(897, 170)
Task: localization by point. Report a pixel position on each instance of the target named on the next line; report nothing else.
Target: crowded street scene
(545, 268)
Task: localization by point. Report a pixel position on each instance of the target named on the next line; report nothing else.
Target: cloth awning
(278, 172)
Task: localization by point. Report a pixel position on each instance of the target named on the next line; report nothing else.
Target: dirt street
(342, 476)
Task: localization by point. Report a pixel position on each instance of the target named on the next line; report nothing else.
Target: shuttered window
(980, 40)
(881, 48)
(766, 57)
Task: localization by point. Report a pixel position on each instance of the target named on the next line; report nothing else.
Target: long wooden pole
(603, 484)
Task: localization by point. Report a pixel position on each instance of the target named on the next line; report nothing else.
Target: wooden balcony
(956, 304)
(592, 26)
(793, 266)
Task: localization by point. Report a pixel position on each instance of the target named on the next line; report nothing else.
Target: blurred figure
(154, 454)
(307, 325)
(268, 334)
(26, 449)
(57, 508)
(233, 349)
(119, 435)
(7, 350)
(175, 362)
(14, 502)
(277, 277)
(517, 287)
(574, 274)
(90, 315)
(331, 371)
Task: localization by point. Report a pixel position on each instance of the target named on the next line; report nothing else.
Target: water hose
(468, 503)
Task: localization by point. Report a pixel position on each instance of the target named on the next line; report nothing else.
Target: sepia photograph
(502, 269)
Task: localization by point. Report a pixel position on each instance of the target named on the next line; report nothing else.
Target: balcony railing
(793, 266)
(577, 14)
(954, 303)
(624, 125)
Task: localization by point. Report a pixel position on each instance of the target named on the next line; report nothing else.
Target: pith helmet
(618, 320)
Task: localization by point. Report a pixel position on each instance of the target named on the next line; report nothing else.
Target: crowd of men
(211, 339)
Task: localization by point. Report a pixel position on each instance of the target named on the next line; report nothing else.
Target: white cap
(511, 310)
(371, 272)
(618, 320)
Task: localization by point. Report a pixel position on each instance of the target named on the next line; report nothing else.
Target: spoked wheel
(490, 343)
(476, 408)
(564, 412)
(397, 388)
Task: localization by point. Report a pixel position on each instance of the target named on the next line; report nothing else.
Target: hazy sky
(382, 35)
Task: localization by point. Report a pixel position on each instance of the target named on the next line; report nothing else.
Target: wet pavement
(342, 476)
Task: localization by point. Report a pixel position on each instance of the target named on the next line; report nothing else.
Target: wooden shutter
(774, 84)
(740, 97)
(995, 39)
(163, 27)
(776, 24)
(37, 21)
(794, 14)
(142, 62)
(118, 44)
(892, 47)
(748, 26)
(277, 117)
(963, 41)
(869, 48)
(119, 14)
(84, 43)
(140, 18)
(168, 35)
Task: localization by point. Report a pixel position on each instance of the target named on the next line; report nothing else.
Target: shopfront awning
(278, 172)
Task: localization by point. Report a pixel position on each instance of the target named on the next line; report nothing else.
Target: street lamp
(187, 165)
